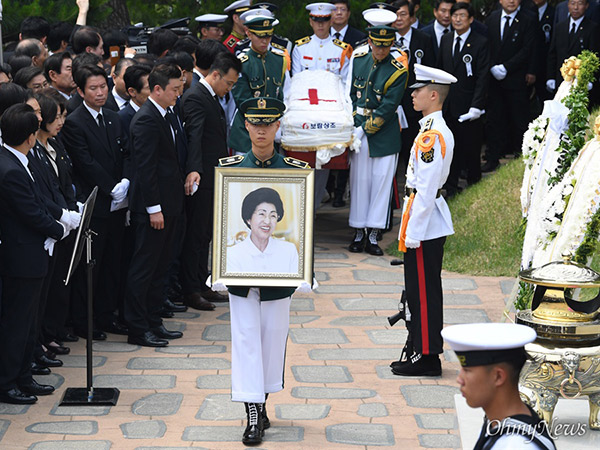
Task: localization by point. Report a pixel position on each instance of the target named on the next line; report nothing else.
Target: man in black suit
(76, 100)
(464, 53)
(512, 41)
(97, 145)
(136, 83)
(571, 37)
(206, 129)
(592, 13)
(27, 227)
(418, 48)
(156, 205)
(442, 23)
(545, 16)
(339, 24)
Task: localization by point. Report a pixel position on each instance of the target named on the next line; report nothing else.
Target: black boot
(254, 430)
(358, 243)
(263, 413)
(371, 245)
(406, 353)
(420, 365)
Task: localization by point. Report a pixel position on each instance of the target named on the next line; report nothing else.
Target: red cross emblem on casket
(313, 97)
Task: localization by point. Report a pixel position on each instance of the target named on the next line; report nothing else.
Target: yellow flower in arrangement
(597, 127)
(570, 68)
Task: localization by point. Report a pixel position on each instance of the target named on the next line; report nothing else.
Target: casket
(317, 125)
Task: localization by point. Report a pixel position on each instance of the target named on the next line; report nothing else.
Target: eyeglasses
(42, 85)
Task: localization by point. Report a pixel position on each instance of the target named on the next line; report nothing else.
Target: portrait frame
(296, 190)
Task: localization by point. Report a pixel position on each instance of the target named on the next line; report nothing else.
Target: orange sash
(404, 224)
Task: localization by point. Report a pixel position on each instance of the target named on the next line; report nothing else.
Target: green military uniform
(262, 76)
(376, 91)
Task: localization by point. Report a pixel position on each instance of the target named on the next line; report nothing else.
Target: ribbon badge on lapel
(419, 56)
(546, 28)
(467, 59)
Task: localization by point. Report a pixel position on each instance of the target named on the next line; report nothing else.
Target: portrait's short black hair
(224, 62)
(161, 40)
(85, 37)
(34, 27)
(59, 32)
(206, 52)
(463, 5)
(133, 76)
(11, 94)
(162, 74)
(18, 123)
(49, 109)
(54, 62)
(26, 74)
(85, 72)
(258, 196)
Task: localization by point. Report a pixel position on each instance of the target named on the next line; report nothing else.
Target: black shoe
(170, 306)
(34, 388)
(163, 333)
(16, 397)
(254, 431)
(44, 361)
(148, 339)
(213, 296)
(265, 420)
(57, 348)
(115, 327)
(69, 337)
(97, 335)
(490, 166)
(420, 366)
(379, 235)
(338, 202)
(358, 243)
(373, 249)
(196, 301)
(36, 369)
(166, 314)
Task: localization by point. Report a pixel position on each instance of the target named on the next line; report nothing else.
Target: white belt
(363, 111)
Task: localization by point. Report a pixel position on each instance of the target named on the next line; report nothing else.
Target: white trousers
(259, 332)
(370, 187)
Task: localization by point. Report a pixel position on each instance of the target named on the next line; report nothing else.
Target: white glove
(499, 72)
(410, 243)
(49, 245)
(473, 114)
(357, 136)
(306, 288)
(80, 206)
(65, 220)
(551, 85)
(75, 219)
(359, 133)
(216, 286)
(119, 192)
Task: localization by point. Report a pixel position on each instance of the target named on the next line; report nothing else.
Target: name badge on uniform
(546, 29)
(467, 59)
(419, 55)
(333, 60)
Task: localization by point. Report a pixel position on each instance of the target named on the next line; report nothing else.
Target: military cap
(211, 20)
(380, 33)
(320, 12)
(481, 344)
(383, 5)
(425, 75)
(238, 7)
(264, 5)
(262, 110)
(261, 24)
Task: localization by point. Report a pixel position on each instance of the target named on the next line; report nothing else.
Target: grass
(486, 218)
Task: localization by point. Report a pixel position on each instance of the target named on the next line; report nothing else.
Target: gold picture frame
(292, 223)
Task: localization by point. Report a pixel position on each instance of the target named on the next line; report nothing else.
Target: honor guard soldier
(211, 26)
(278, 43)
(491, 356)
(259, 316)
(425, 224)
(234, 11)
(264, 74)
(320, 51)
(377, 84)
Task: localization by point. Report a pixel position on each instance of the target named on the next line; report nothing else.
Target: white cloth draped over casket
(318, 116)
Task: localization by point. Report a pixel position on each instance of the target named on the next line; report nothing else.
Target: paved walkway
(339, 391)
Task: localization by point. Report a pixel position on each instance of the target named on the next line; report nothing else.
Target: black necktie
(572, 32)
(102, 125)
(337, 35)
(180, 145)
(216, 97)
(457, 50)
(445, 31)
(402, 42)
(506, 27)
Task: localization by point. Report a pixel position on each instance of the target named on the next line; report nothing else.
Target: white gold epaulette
(296, 162)
(231, 160)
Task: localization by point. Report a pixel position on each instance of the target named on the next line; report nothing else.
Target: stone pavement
(339, 391)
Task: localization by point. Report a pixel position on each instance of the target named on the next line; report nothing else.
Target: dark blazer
(353, 36)
(419, 42)
(65, 173)
(99, 159)
(515, 51)
(206, 130)
(592, 13)
(25, 222)
(158, 178)
(430, 31)
(46, 181)
(125, 116)
(469, 91)
(76, 100)
(587, 37)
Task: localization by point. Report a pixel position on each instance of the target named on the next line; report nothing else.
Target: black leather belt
(408, 191)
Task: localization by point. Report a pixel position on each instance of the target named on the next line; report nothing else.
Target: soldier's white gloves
(216, 286)
(357, 136)
(410, 243)
(499, 72)
(551, 85)
(306, 288)
(75, 219)
(473, 114)
(119, 192)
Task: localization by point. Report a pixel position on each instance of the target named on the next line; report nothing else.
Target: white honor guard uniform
(488, 344)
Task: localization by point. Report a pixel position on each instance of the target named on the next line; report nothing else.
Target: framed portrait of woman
(263, 227)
